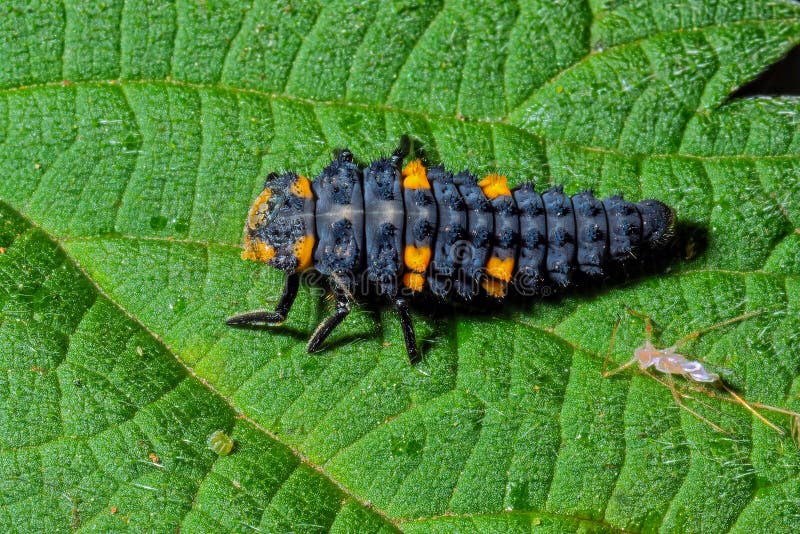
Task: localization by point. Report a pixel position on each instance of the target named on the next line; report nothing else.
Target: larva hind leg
(262, 317)
(342, 297)
(401, 305)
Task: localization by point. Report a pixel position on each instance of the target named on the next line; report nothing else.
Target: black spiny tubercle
(410, 231)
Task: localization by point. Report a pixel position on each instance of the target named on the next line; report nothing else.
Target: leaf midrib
(429, 117)
(519, 513)
(576, 63)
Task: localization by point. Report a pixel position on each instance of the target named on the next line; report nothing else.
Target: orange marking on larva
(259, 209)
(415, 176)
(500, 269)
(302, 187)
(414, 281)
(257, 250)
(494, 185)
(417, 259)
(495, 288)
(302, 251)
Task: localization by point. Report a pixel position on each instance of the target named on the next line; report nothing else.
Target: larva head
(280, 225)
(658, 223)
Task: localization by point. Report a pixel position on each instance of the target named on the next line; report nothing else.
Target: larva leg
(402, 150)
(343, 154)
(261, 317)
(342, 297)
(408, 329)
(698, 333)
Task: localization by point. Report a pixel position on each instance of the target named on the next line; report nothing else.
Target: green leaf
(133, 137)
(103, 429)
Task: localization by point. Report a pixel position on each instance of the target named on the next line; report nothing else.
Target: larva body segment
(422, 220)
(561, 251)
(625, 228)
(339, 218)
(383, 225)
(410, 230)
(591, 232)
(476, 248)
(451, 234)
(533, 235)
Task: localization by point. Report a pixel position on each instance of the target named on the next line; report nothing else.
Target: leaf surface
(133, 137)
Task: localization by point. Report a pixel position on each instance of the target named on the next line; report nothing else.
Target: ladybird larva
(408, 230)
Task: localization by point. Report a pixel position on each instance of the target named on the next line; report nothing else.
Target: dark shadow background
(782, 78)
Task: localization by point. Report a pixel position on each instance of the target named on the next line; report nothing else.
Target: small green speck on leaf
(221, 443)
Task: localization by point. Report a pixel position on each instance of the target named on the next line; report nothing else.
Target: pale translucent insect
(669, 361)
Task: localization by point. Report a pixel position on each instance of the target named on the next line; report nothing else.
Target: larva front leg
(262, 317)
